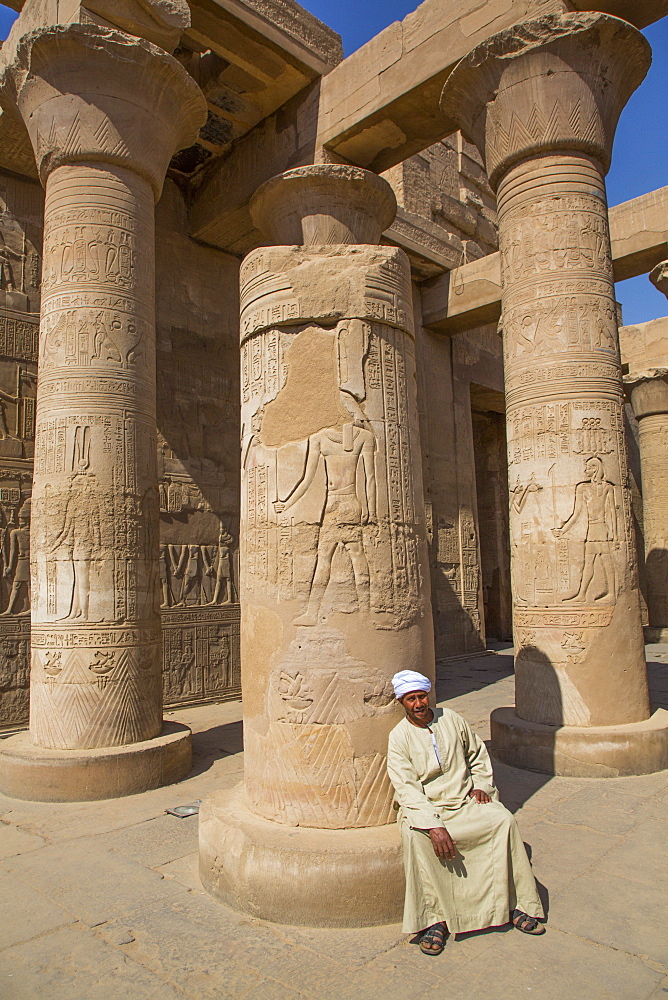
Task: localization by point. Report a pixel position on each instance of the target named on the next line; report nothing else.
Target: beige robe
(491, 874)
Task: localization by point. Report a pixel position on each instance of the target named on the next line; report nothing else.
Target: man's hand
(479, 795)
(443, 844)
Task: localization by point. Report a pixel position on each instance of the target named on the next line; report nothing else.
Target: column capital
(648, 390)
(659, 277)
(557, 83)
(324, 204)
(91, 94)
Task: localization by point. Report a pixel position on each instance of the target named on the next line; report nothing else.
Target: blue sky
(640, 157)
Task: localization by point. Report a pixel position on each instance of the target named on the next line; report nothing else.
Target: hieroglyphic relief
(470, 566)
(14, 671)
(200, 655)
(333, 532)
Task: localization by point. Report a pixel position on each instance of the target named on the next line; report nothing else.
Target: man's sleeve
(409, 793)
(478, 760)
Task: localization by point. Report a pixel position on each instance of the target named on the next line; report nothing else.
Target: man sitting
(466, 866)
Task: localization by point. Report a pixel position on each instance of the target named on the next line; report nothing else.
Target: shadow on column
(537, 683)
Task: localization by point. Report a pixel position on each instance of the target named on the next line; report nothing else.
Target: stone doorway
(489, 448)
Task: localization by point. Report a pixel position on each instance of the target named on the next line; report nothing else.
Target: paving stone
(91, 882)
(647, 864)
(351, 947)
(643, 786)
(14, 841)
(522, 789)
(157, 841)
(560, 854)
(71, 964)
(198, 944)
(26, 912)
(661, 992)
(617, 912)
(408, 961)
(555, 966)
(57, 822)
(598, 808)
(268, 990)
(367, 984)
(185, 870)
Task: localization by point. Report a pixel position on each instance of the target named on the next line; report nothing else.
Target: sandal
(434, 939)
(526, 924)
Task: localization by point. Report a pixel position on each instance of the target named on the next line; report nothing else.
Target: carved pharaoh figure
(5, 398)
(342, 451)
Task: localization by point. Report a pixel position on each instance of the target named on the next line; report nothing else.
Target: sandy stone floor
(102, 901)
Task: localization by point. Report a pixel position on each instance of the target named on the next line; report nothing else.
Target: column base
(596, 752)
(299, 875)
(653, 633)
(31, 772)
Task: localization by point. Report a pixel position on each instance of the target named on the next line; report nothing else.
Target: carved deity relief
(336, 493)
(595, 509)
(16, 552)
(345, 511)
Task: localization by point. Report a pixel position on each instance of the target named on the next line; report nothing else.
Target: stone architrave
(541, 101)
(334, 574)
(105, 112)
(649, 398)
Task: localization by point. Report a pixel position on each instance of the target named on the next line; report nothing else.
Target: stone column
(649, 397)
(541, 101)
(105, 111)
(335, 580)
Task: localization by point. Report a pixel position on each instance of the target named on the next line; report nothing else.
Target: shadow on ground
(210, 745)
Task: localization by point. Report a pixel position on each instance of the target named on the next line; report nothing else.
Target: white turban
(409, 680)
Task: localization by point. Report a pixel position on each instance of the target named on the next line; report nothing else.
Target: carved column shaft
(576, 608)
(96, 673)
(334, 589)
(542, 100)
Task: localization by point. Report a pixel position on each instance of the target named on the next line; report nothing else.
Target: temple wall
(197, 322)
(198, 423)
(21, 222)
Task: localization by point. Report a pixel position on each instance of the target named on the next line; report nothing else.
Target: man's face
(416, 706)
